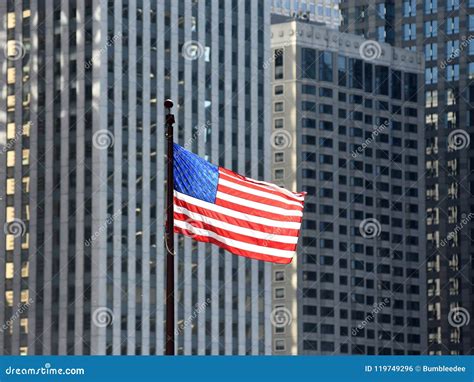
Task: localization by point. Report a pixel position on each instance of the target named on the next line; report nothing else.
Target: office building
(443, 31)
(347, 129)
(82, 172)
(322, 11)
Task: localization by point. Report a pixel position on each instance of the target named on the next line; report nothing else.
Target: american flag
(246, 217)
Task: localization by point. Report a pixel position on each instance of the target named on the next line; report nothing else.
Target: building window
(452, 5)
(279, 107)
(381, 34)
(342, 71)
(325, 66)
(431, 52)
(471, 22)
(279, 157)
(279, 276)
(308, 89)
(278, 57)
(431, 75)
(356, 73)
(381, 10)
(471, 70)
(409, 8)
(452, 49)
(279, 293)
(279, 123)
(452, 72)
(411, 87)
(431, 98)
(308, 106)
(431, 6)
(308, 63)
(409, 31)
(278, 89)
(279, 174)
(452, 25)
(280, 345)
(381, 80)
(431, 28)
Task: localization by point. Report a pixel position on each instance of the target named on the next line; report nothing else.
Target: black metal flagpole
(169, 233)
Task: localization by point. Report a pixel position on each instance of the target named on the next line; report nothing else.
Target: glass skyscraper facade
(347, 128)
(443, 31)
(82, 172)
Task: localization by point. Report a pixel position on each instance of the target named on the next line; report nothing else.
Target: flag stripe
(236, 250)
(184, 214)
(185, 199)
(232, 176)
(256, 205)
(234, 188)
(266, 243)
(255, 212)
(186, 226)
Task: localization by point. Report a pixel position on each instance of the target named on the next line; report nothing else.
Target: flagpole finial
(168, 103)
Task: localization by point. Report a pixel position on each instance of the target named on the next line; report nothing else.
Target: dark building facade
(348, 129)
(443, 30)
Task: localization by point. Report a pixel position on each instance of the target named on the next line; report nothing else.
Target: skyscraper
(322, 11)
(82, 180)
(347, 128)
(443, 30)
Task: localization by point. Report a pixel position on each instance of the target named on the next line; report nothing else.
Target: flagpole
(169, 232)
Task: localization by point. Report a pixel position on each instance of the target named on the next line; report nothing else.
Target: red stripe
(259, 199)
(234, 250)
(269, 243)
(242, 180)
(235, 221)
(254, 212)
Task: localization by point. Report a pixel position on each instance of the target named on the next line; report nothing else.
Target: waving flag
(246, 217)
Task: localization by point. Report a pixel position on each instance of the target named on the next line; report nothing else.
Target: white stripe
(257, 206)
(235, 243)
(271, 186)
(233, 228)
(236, 214)
(253, 191)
